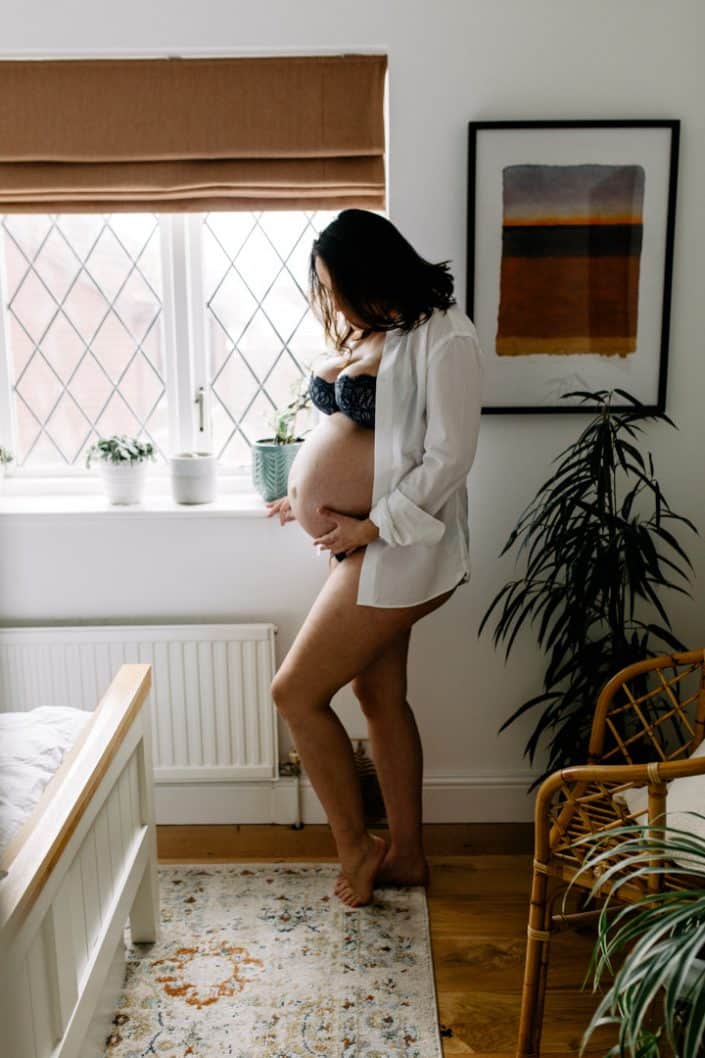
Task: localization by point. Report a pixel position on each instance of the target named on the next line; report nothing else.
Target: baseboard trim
(235, 843)
(447, 799)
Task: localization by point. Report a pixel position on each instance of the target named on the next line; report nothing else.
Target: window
(115, 323)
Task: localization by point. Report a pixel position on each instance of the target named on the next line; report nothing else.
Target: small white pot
(123, 482)
(193, 477)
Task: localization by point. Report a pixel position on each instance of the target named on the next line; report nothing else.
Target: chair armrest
(635, 774)
(576, 781)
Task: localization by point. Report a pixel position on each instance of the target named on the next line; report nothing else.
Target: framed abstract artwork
(570, 256)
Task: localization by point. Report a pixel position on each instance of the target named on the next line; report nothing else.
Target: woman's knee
(284, 694)
(293, 699)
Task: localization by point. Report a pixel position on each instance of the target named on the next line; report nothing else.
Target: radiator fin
(212, 711)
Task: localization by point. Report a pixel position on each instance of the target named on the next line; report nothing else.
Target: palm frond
(595, 549)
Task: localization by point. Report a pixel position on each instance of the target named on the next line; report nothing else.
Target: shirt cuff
(401, 522)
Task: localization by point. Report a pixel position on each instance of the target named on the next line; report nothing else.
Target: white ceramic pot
(193, 477)
(123, 482)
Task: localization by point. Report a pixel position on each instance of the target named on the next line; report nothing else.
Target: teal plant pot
(271, 463)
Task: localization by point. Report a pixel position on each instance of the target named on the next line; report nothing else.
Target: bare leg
(326, 754)
(398, 757)
(338, 640)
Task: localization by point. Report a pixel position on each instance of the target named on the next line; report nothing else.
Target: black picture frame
(483, 230)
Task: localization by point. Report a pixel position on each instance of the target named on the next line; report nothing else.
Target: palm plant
(598, 542)
(657, 996)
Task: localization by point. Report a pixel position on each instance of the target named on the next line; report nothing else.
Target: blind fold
(96, 135)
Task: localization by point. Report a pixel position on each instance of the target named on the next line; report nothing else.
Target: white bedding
(32, 746)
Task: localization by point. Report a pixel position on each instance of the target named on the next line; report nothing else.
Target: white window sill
(228, 504)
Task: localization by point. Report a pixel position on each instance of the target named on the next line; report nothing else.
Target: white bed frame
(84, 861)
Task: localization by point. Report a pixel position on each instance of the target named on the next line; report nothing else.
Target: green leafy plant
(283, 421)
(597, 542)
(120, 449)
(5, 456)
(657, 995)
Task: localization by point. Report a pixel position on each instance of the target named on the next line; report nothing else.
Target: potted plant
(272, 456)
(598, 542)
(121, 462)
(6, 457)
(656, 996)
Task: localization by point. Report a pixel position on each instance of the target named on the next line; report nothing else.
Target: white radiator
(213, 714)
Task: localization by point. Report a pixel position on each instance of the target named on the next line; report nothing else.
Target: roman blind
(189, 134)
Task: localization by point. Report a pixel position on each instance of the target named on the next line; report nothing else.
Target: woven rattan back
(653, 710)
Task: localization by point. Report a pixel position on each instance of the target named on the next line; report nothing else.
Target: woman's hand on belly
(347, 533)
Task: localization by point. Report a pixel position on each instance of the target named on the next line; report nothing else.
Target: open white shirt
(428, 403)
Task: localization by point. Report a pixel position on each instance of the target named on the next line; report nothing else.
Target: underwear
(354, 395)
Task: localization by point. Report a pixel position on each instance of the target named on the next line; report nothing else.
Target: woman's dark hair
(374, 272)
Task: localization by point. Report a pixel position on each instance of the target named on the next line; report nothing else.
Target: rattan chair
(647, 722)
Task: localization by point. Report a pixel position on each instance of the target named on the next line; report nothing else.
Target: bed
(78, 863)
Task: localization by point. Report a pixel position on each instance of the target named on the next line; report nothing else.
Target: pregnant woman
(380, 483)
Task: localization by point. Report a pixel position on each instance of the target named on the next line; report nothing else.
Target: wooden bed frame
(84, 860)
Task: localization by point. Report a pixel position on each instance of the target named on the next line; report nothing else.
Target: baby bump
(333, 468)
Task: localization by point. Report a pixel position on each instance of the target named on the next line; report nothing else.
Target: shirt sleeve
(453, 410)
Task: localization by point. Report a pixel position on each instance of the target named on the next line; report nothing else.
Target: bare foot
(356, 883)
(396, 870)
(403, 870)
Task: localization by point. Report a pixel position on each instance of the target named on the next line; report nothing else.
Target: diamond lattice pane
(33, 306)
(260, 326)
(40, 387)
(235, 386)
(308, 343)
(261, 346)
(94, 386)
(68, 427)
(232, 304)
(84, 326)
(118, 417)
(256, 423)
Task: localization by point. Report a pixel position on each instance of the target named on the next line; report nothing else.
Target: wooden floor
(478, 903)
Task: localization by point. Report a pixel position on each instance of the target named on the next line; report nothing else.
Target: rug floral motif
(263, 961)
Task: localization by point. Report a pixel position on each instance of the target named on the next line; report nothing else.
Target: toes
(346, 894)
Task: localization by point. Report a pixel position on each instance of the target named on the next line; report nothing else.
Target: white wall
(449, 63)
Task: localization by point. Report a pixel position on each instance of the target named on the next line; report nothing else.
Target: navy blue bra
(354, 395)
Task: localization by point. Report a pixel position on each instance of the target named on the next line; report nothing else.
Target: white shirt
(428, 402)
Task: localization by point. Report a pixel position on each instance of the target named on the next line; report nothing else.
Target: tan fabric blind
(292, 132)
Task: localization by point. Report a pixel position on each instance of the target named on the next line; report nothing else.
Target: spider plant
(598, 543)
(657, 995)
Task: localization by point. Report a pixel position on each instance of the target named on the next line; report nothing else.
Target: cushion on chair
(685, 795)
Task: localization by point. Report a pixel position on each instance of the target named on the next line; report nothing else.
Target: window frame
(186, 364)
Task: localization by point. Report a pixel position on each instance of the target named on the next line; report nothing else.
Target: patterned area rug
(263, 961)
